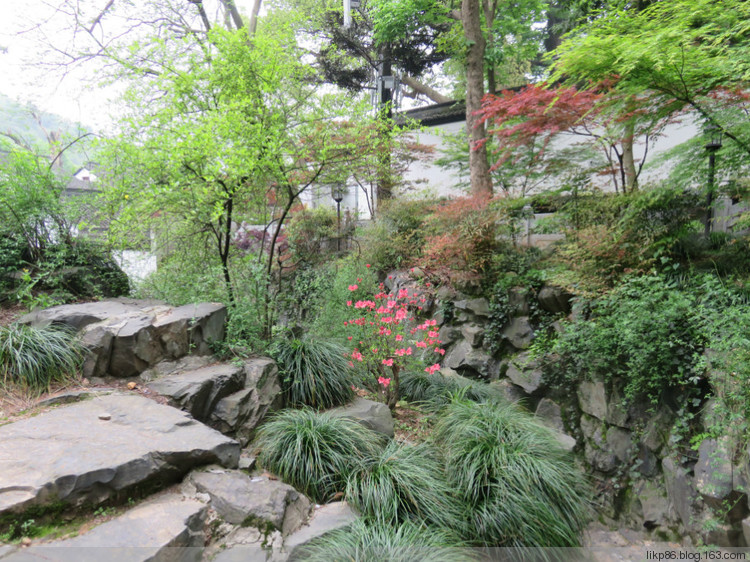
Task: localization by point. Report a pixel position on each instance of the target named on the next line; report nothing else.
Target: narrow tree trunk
(628, 161)
(479, 168)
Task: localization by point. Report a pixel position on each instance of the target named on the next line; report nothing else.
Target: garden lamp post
(713, 133)
(337, 192)
(528, 213)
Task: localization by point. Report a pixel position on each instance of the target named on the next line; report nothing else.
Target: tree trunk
(630, 174)
(479, 168)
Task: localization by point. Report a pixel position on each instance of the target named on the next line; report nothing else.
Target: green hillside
(31, 126)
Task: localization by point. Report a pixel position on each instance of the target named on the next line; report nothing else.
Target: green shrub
(402, 482)
(397, 237)
(315, 452)
(647, 333)
(331, 311)
(437, 390)
(35, 357)
(364, 542)
(518, 486)
(314, 373)
(309, 231)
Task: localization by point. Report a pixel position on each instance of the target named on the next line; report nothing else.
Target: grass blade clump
(402, 482)
(315, 451)
(314, 373)
(437, 390)
(35, 357)
(374, 543)
(518, 486)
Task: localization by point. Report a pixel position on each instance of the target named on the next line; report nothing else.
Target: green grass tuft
(373, 543)
(404, 481)
(35, 357)
(518, 486)
(315, 451)
(315, 373)
(437, 390)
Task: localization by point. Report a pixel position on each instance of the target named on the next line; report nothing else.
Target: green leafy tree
(681, 53)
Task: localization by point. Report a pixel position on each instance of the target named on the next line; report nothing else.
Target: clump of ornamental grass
(33, 358)
(519, 488)
(315, 451)
(436, 390)
(364, 541)
(314, 373)
(402, 482)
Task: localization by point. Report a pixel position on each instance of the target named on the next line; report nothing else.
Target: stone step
(232, 398)
(93, 450)
(167, 528)
(254, 501)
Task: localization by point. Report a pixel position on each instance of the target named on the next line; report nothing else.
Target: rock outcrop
(125, 336)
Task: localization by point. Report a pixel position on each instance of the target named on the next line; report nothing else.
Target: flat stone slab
(244, 500)
(326, 518)
(76, 455)
(167, 528)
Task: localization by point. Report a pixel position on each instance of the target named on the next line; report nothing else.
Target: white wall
(443, 182)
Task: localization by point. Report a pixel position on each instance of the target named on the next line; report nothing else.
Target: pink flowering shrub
(387, 338)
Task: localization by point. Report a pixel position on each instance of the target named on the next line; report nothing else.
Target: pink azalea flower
(388, 362)
(384, 381)
(399, 337)
(367, 265)
(433, 368)
(353, 287)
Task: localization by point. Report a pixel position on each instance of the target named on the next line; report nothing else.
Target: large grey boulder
(476, 307)
(90, 451)
(373, 415)
(252, 501)
(199, 391)
(519, 332)
(525, 374)
(714, 477)
(324, 519)
(473, 333)
(592, 399)
(606, 447)
(470, 361)
(681, 491)
(167, 528)
(554, 299)
(125, 337)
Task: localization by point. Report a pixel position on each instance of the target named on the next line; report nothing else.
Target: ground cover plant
(403, 482)
(33, 358)
(315, 452)
(518, 487)
(436, 390)
(314, 373)
(407, 542)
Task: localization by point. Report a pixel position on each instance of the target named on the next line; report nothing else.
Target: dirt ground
(9, 314)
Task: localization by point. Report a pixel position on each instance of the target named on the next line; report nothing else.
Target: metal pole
(710, 193)
(338, 214)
